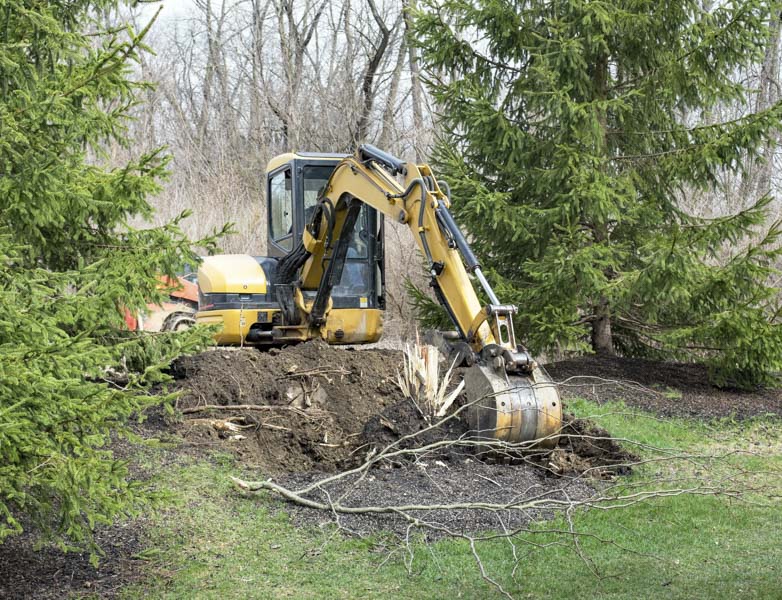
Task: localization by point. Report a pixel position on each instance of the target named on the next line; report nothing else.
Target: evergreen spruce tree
(577, 129)
(70, 265)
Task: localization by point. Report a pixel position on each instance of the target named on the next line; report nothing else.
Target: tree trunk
(415, 80)
(206, 93)
(256, 116)
(767, 97)
(386, 133)
(602, 338)
(368, 81)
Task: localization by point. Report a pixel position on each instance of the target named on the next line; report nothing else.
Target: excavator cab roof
(282, 159)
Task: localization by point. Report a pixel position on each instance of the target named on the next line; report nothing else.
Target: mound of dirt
(317, 408)
(665, 388)
(298, 409)
(587, 448)
(311, 409)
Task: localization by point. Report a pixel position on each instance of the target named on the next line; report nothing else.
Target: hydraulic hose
(421, 211)
(471, 261)
(391, 162)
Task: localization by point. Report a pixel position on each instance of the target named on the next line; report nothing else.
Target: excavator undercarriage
(325, 279)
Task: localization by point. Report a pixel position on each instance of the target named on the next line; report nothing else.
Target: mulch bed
(666, 389)
(48, 573)
(433, 481)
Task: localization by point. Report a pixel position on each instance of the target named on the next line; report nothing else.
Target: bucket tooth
(519, 409)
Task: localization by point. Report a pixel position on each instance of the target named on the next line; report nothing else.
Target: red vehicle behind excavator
(175, 314)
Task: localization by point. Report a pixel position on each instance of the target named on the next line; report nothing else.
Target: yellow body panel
(231, 274)
(235, 323)
(358, 325)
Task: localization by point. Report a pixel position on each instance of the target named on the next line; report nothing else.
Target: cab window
(281, 209)
(316, 177)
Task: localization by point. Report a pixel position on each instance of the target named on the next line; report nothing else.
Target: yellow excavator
(324, 279)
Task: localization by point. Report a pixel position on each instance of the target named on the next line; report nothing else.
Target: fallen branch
(258, 407)
(315, 372)
(536, 503)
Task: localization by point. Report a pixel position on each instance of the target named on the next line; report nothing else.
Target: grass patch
(213, 542)
(216, 543)
(633, 424)
(692, 435)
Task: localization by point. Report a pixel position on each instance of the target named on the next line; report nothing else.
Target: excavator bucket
(513, 408)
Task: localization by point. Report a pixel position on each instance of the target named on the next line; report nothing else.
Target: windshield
(315, 180)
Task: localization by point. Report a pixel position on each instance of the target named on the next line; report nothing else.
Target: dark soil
(665, 388)
(48, 573)
(430, 482)
(326, 408)
(403, 419)
(583, 446)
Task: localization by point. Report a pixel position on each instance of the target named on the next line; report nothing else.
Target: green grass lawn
(214, 542)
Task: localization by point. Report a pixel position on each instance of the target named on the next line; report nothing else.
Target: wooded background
(240, 81)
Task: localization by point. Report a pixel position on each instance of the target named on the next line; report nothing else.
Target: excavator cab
(294, 185)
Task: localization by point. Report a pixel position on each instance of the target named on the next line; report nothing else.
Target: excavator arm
(514, 400)
(370, 177)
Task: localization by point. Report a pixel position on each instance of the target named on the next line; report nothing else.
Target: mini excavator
(324, 279)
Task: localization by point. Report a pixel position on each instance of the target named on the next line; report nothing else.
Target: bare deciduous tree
(238, 82)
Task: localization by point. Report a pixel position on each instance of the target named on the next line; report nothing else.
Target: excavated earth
(317, 408)
(303, 413)
(307, 404)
